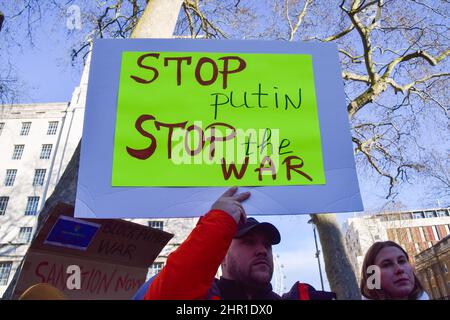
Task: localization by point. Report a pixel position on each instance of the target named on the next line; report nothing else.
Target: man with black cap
(222, 237)
(248, 266)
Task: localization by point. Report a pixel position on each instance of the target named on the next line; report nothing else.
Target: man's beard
(248, 277)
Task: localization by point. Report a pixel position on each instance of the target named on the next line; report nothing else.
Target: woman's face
(397, 275)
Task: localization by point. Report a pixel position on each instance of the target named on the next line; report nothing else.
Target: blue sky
(48, 76)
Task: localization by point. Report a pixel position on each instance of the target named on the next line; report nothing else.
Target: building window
(18, 151)
(25, 128)
(39, 176)
(25, 234)
(156, 224)
(444, 267)
(417, 215)
(46, 151)
(155, 268)
(3, 205)
(442, 213)
(10, 177)
(5, 269)
(393, 217)
(430, 214)
(447, 228)
(52, 128)
(32, 206)
(406, 216)
(2, 125)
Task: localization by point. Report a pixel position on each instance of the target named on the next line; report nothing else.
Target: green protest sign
(216, 119)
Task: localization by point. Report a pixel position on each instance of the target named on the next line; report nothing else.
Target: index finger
(241, 196)
(229, 192)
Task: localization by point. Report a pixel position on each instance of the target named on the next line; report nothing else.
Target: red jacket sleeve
(190, 269)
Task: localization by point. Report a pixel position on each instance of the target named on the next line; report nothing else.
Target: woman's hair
(369, 260)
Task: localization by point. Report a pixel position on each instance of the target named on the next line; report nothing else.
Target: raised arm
(190, 270)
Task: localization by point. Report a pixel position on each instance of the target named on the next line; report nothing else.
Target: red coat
(190, 270)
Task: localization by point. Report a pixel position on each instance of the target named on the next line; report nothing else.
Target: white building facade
(37, 142)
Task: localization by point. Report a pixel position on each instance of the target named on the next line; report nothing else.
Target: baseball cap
(267, 228)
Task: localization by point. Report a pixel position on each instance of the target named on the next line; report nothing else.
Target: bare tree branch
(430, 8)
(403, 89)
(355, 77)
(299, 18)
(418, 54)
(339, 35)
(364, 33)
(190, 20)
(352, 58)
(210, 29)
(364, 148)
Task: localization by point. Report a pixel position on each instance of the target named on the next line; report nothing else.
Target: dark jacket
(224, 289)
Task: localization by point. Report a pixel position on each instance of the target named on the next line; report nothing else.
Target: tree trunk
(157, 21)
(339, 271)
